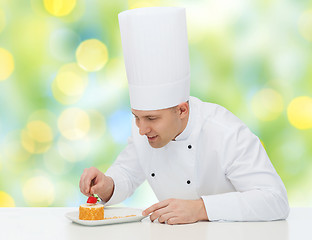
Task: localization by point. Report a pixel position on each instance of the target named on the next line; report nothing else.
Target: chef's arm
(260, 193)
(126, 174)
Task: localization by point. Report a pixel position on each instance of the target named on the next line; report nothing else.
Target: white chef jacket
(216, 158)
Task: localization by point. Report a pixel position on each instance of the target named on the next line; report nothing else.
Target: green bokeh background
(237, 49)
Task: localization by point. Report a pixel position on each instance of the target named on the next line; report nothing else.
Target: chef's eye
(151, 118)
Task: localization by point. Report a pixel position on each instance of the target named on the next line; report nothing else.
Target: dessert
(91, 210)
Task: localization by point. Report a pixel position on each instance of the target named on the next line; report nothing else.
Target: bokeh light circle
(6, 200)
(63, 98)
(267, 104)
(305, 25)
(92, 55)
(40, 131)
(72, 80)
(6, 64)
(59, 8)
(38, 191)
(37, 137)
(69, 84)
(141, 4)
(74, 123)
(45, 116)
(299, 112)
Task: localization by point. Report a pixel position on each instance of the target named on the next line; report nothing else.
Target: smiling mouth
(151, 138)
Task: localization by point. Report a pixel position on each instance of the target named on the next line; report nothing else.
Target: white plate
(108, 213)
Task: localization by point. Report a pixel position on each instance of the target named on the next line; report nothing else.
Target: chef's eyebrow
(147, 116)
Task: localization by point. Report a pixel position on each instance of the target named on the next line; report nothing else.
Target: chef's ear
(183, 109)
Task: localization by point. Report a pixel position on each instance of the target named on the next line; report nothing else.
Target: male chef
(201, 161)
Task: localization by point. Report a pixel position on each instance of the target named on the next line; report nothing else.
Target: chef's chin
(156, 143)
(153, 145)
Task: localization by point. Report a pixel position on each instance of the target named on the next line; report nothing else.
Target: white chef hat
(155, 47)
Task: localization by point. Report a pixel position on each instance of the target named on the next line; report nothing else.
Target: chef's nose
(144, 129)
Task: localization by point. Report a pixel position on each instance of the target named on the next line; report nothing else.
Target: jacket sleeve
(260, 193)
(126, 173)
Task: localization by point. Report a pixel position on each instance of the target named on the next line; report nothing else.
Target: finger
(97, 184)
(156, 214)
(165, 217)
(81, 182)
(86, 179)
(86, 184)
(94, 190)
(155, 207)
(92, 182)
(173, 221)
(91, 191)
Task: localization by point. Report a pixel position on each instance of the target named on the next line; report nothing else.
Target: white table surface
(51, 223)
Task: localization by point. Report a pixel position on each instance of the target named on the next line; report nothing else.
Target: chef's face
(162, 126)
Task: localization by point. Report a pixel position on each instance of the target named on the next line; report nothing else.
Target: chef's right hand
(93, 181)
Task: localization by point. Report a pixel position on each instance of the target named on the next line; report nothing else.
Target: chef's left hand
(177, 211)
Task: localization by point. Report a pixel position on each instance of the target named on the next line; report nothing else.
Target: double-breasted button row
(188, 181)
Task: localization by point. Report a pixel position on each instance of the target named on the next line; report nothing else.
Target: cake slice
(91, 211)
